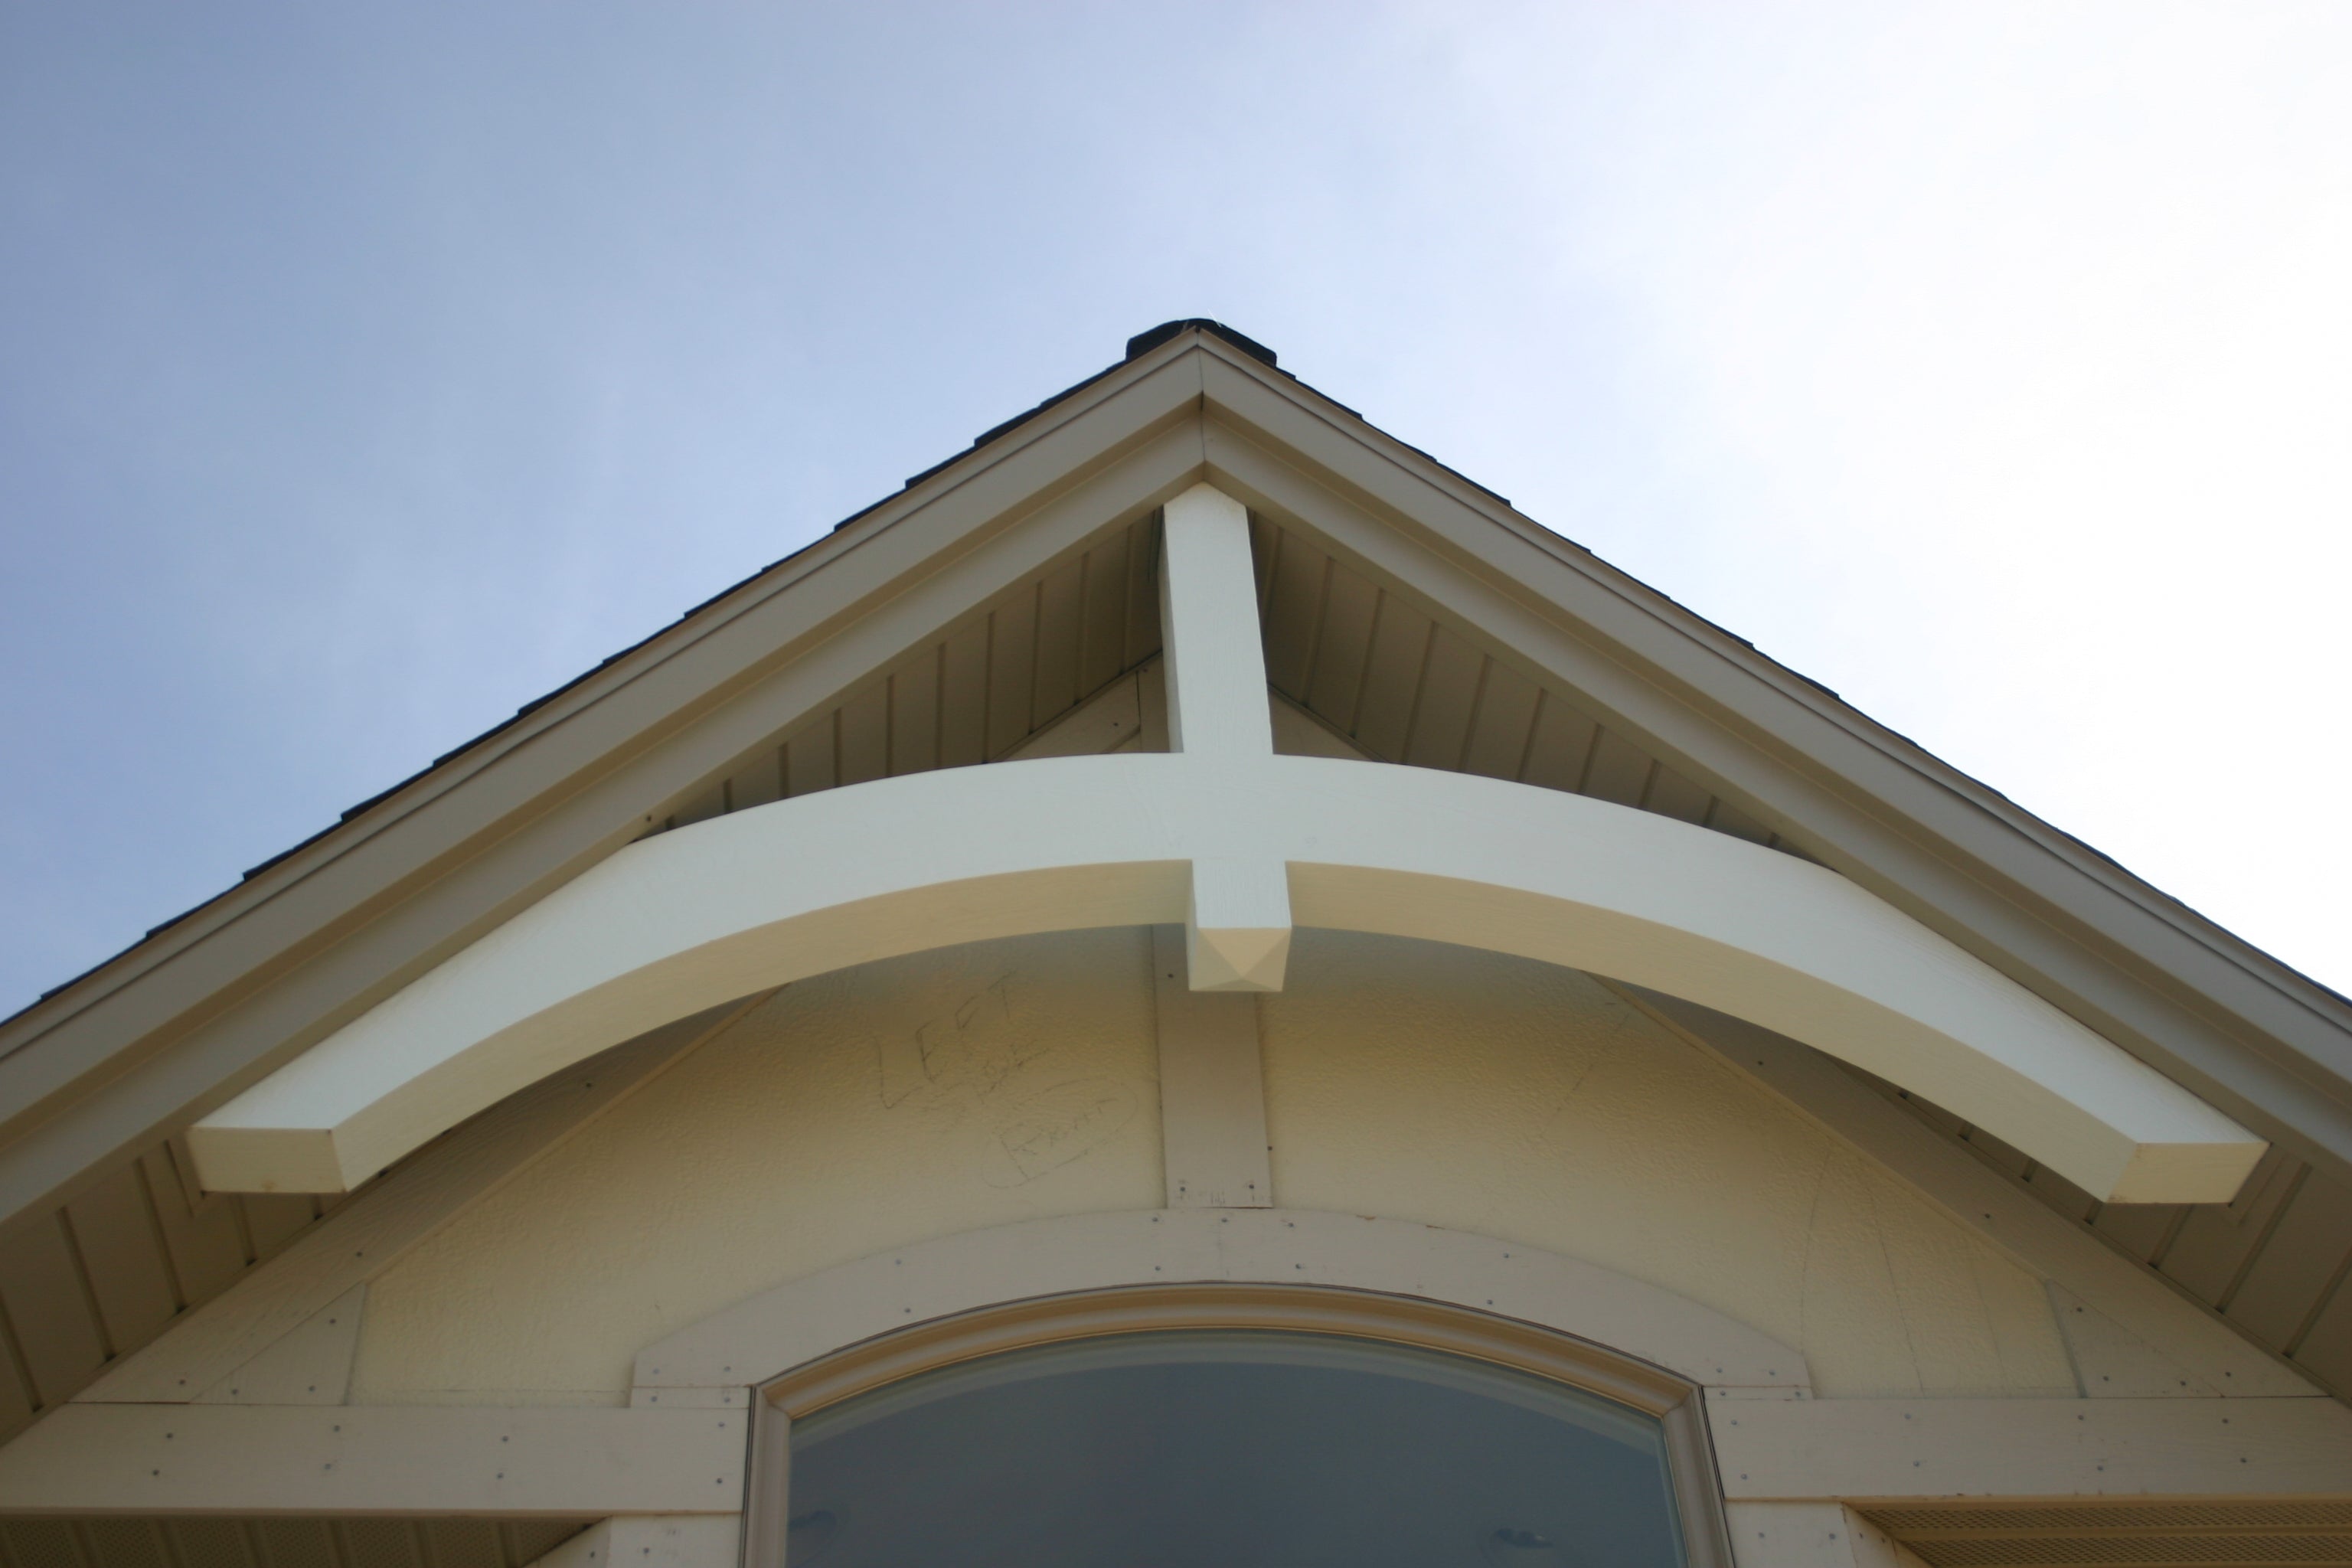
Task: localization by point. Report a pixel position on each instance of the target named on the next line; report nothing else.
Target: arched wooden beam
(759, 897)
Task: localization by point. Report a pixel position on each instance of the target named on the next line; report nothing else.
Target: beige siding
(951, 1090)
(1525, 1101)
(858, 1112)
(2275, 1264)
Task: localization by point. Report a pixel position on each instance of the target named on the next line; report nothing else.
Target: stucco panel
(938, 1093)
(863, 1109)
(1530, 1102)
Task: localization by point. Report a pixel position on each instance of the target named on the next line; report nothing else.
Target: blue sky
(366, 371)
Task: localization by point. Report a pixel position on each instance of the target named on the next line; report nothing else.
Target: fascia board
(280, 963)
(2265, 1043)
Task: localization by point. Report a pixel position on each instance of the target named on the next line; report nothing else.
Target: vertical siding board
(1102, 642)
(1012, 664)
(274, 1219)
(1448, 696)
(1619, 771)
(1267, 547)
(16, 1398)
(914, 715)
(1294, 611)
(2218, 1239)
(2284, 1285)
(1392, 678)
(2061, 1194)
(1561, 750)
(1061, 611)
(2138, 1229)
(700, 806)
(207, 1254)
(963, 697)
(809, 763)
(1143, 633)
(122, 1255)
(41, 1290)
(1671, 795)
(2326, 1348)
(863, 735)
(1337, 679)
(755, 780)
(1728, 818)
(1507, 711)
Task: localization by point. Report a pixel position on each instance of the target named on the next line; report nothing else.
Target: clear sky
(365, 371)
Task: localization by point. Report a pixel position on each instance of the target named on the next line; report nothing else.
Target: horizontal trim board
(376, 1459)
(1886, 1450)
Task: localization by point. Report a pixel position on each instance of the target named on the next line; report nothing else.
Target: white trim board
(762, 897)
(1886, 1450)
(796, 1322)
(375, 1459)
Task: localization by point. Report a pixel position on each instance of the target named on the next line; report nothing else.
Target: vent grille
(2214, 1535)
(126, 1541)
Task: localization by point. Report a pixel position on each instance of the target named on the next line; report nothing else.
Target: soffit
(215, 1540)
(2205, 1534)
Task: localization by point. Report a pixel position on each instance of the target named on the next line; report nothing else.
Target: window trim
(885, 1359)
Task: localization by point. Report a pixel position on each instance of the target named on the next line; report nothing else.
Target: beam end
(2201, 1173)
(1237, 935)
(234, 1158)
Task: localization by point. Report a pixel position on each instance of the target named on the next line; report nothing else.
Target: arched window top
(1231, 1447)
(1232, 1424)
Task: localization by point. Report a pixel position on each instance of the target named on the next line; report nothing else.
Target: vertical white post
(1237, 937)
(1211, 1089)
(1208, 617)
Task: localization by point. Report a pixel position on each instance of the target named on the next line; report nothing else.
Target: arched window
(1192, 1427)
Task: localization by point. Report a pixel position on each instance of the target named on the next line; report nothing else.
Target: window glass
(1229, 1449)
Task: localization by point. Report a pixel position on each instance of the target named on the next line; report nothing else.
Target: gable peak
(1143, 343)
